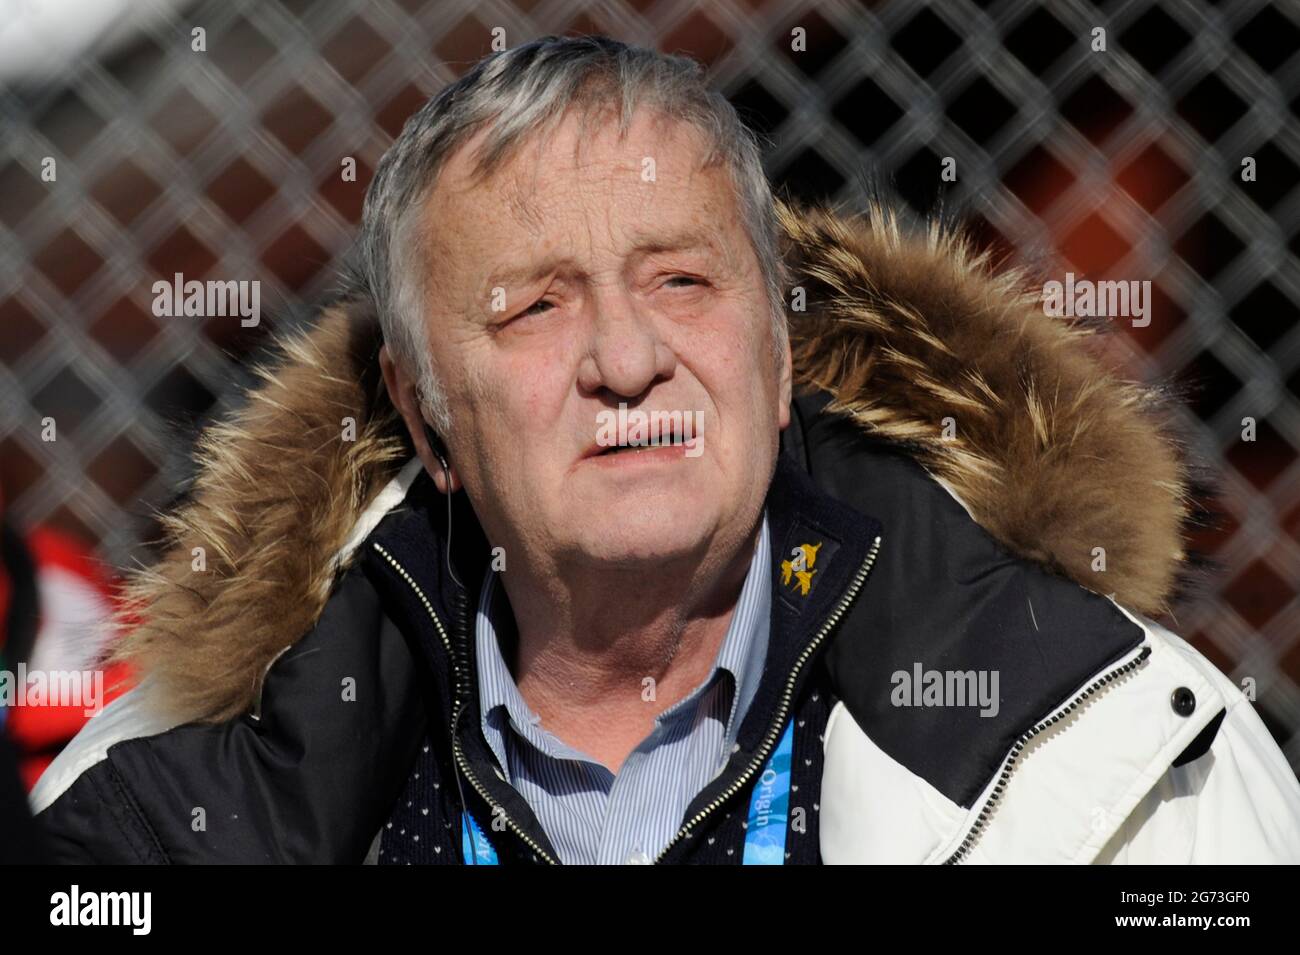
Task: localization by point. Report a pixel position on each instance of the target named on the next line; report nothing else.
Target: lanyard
(471, 838)
(769, 806)
(769, 815)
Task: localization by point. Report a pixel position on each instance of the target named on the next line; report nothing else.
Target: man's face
(585, 274)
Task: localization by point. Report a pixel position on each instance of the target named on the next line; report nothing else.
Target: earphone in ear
(440, 452)
(436, 445)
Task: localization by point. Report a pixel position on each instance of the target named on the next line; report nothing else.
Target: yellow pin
(798, 571)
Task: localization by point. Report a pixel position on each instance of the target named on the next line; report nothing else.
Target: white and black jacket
(959, 546)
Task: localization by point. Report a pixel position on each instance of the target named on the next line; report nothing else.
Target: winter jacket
(983, 498)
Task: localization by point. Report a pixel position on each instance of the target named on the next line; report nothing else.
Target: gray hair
(526, 90)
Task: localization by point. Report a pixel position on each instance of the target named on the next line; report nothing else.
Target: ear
(401, 391)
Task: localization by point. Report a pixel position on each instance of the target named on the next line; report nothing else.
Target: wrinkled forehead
(583, 150)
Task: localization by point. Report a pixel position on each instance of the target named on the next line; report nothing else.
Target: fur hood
(1052, 454)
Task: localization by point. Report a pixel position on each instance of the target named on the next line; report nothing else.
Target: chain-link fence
(1166, 147)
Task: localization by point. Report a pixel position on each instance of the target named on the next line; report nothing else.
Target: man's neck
(598, 662)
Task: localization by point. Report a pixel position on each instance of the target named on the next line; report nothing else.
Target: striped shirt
(592, 815)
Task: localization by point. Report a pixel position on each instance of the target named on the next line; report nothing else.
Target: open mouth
(663, 441)
(634, 448)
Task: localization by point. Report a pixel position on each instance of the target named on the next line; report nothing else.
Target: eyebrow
(646, 244)
(674, 241)
(526, 274)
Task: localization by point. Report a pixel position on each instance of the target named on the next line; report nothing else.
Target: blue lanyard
(769, 806)
(471, 838)
(769, 815)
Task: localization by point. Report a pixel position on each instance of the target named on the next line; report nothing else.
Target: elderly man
(529, 552)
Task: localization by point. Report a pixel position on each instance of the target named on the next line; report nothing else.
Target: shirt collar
(742, 656)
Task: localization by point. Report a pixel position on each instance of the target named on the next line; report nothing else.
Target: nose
(626, 354)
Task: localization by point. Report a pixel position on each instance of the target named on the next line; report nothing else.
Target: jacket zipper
(1009, 763)
(774, 732)
(457, 707)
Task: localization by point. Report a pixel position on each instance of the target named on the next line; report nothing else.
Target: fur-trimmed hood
(1049, 452)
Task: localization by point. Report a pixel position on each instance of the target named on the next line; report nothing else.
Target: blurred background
(226, 163)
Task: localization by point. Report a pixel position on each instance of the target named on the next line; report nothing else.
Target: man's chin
(640, 494)
(642, 540)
